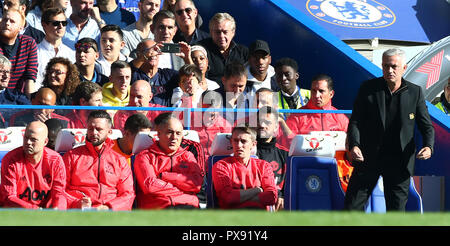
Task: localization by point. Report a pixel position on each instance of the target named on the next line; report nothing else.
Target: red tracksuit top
(305, 123)
(33, 186)
(105, 177)
(167, 180)
(229, 176)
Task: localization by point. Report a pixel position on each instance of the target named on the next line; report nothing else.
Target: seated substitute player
(168, 174)
(98, 177)
(241, 181)
(33, 176)
(269, 150)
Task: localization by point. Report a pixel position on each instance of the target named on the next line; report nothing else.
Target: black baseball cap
(259, 45)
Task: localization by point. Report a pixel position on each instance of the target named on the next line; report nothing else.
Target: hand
(356, 154)
(102, 207)
(154, 50)
(85, 202)
(280, 204)
(95, 14)
(424, 153)
(185, 52)
(42, 117)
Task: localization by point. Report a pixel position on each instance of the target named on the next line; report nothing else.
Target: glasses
(187, 10)
(57, 72)
(5, 72)
(57, 23)
(84, 47)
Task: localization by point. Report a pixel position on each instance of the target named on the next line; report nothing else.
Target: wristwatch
(101, 22)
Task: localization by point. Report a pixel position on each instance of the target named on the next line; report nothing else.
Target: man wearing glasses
(54, 22)
(186, 15)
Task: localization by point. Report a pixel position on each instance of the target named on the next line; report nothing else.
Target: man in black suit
(381, 135)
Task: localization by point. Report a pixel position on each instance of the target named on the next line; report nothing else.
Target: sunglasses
(84, 46)
(57, 23)
(180, 11)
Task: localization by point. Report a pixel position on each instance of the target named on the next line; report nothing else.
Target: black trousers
(396, 183)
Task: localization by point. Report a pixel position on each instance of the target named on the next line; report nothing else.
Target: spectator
(235, 93)
(85, 21)
(132, 6)
(164, 29)
(28, 29)
(86, 54)
(186, 16)
(209, 123)
(33, 176)
(117, 91)
(113, 15)
(54, 23)
(221, 48)
(34, 16)
(290, 95)
(140, 96)
(111, 43)
(140, 30)
(62, 77)
(44, 96)
(168, 175)
(269, 150)
(444, 100)
(54, 126)
(9, 96)
(322, 91)
(260, 73)
(255, 186)
(133, 125)
(21, 50)
(188, 93)
(98, 176)
(145, 67)
(199, 57)
(86, 94)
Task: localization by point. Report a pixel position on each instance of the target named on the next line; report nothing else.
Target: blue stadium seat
(312, 183)
(211, 199)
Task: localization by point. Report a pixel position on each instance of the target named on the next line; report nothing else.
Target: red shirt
(230, 176)
(32, 186)
(167, 180)
(75, 121)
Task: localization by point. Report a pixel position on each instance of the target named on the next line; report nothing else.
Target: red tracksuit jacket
(167, 180)
(33, 186)
(105, 177)
(229, 176)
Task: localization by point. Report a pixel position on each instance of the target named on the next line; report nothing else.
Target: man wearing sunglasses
(186, 15)
(54, 22)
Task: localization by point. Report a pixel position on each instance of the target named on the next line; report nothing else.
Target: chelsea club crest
(313, 184)
(352, 13)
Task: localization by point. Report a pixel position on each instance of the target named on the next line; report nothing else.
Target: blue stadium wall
(290, 33)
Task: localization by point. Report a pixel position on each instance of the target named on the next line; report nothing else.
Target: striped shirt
(24, 62)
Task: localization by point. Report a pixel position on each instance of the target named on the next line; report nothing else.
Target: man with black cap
(260, 74)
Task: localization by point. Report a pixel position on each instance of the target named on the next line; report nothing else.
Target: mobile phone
(170, 48)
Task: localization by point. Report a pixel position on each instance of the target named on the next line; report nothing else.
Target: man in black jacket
(270, 151)
(381, 135)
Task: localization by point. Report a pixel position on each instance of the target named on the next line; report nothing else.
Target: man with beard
(269, 150)
(140, 30)
(85, 21)
(21, 50)
(98, 177)
(33, 176)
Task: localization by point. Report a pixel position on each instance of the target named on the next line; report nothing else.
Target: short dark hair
(100, 114)
(119, 65)
(234, 69)
(53, 124)
(164, 118)
(136, 122)
(286, 61)
(90, 41)
(85, 90)
(188, 70)
(325, 77)
(112, 28)
(51, 12)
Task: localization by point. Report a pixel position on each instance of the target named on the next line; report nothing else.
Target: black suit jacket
(366, 125)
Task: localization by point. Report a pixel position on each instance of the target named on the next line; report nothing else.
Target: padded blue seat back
(2, 154)
(378, 202)
(312, 183)
(211, 198)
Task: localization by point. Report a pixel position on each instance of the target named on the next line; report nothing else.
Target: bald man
(33, 176)
(145, 67)
(44, 96)
(140, 96)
